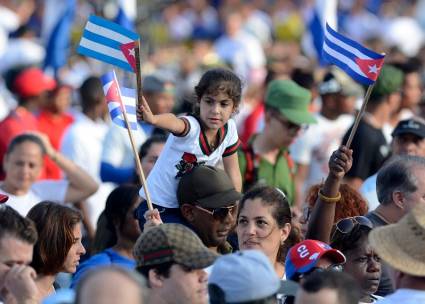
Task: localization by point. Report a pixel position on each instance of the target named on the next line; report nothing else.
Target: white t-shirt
(405, 296)
(180, 154)
(82, 143)
(315, 146)
(51, 190)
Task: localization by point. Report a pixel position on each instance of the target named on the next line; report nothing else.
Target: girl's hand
(340, 162)
(144, 112)
(152, 218)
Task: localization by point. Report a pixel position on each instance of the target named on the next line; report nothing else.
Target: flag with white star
(109, 42)
(362, 64)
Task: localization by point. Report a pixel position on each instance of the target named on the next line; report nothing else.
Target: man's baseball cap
(337, 81)
(172, 243)
(207, 186)
(291, 100)
(389, 81)
(302, 257)
(32, 82)
(410, 126)
(157, 84)
(243, 276)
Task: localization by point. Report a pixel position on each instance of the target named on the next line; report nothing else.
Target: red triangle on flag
(129, 51)
(113, 95)
(370, 67)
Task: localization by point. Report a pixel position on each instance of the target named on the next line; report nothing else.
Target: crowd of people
(242, 137)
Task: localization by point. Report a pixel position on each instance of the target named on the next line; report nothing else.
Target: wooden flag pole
(360, 115)
(142, 178)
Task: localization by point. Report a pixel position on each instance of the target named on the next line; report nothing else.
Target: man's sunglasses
(218, 213)
(345, 226)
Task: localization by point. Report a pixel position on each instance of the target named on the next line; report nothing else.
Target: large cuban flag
(119, 101)
(109, 42)
(362, 64)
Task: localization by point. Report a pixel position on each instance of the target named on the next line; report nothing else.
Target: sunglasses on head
(218, 213)
(347, 225)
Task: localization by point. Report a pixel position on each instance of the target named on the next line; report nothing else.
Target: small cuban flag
(362, 64)
(109, 42)
(119, 101)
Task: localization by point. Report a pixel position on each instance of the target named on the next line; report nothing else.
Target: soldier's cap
(208, 187)
(172, 243)
(291, 100)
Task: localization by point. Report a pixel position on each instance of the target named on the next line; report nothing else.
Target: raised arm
(168, 121)
(323, 213)
(81, 185)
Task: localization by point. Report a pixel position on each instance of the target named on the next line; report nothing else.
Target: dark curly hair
(351, 203)
(218, 80)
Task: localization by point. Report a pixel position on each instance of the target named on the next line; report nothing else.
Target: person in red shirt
(53, 120)
(30, 86)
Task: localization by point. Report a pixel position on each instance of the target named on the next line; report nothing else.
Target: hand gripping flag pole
(109, 42)
(362, 64)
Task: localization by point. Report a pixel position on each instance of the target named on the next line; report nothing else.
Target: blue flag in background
(126, 14)
(57, 23)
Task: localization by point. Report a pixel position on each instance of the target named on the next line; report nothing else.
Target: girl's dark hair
(20, 139)
(275, 198)
(55, 224)
(218, 80)
(119, 201)
(351, 240)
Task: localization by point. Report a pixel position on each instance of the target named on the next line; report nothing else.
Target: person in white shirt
(311, 150)
(402, 247)
(23, 163)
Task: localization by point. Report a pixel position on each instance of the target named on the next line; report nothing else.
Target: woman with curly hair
(351, 204)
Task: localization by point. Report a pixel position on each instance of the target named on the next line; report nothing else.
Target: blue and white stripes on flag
(119, 101)
(126, 14)
(324, 11)
(362, 64)
(103, 40)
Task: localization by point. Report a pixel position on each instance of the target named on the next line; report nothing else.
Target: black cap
(157, 84)
(207, 186)
(410, 126)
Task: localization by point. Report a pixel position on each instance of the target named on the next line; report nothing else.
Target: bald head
(111, 285)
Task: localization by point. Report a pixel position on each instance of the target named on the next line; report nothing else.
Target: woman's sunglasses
(345, 226)
(218, 213)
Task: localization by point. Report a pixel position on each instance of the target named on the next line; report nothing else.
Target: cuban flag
(126, 14)
(109, 42)
(362, 64)
(119, 101)
(324, 11)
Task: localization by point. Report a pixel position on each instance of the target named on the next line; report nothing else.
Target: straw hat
(402, 245)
